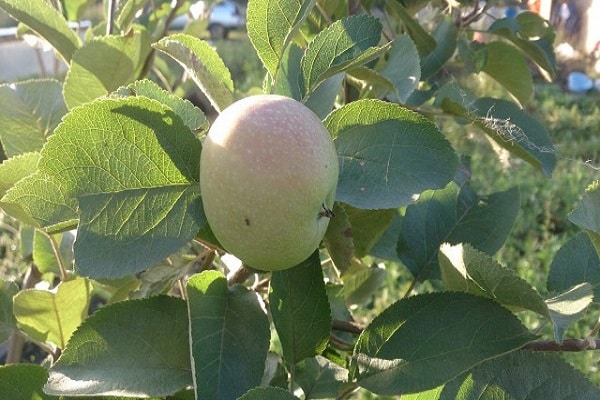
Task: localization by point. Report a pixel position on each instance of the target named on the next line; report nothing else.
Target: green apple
(268, 175)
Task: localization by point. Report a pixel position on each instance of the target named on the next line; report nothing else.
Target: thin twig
(347, 326)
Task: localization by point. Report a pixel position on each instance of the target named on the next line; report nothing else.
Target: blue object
(578, 82)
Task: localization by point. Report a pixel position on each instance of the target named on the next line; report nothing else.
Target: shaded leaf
(320, 378)
(387, 154)
(507, 124)
(424, 42)
(361, 282)
(101, 66)
(44, 19)
(367, 227)
(29, 112)
(517, 131)
(403, 68)
(52, 316)
(203, 64)
(568, 307)
(300, 309)
(7, 319)
(508, 67)
(522, 375)
(445, 35)
(533, 35)
(271, 24)
(338, 239)
(575, 262)
(134, 348)
(229, 334)
(423, 341)
(23, 382)
(454, 215)
(322, 98)
(289, 81)
(466, 269)
(587, 214)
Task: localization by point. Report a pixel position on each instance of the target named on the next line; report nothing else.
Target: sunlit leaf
(203, 64)
(44, 19)
(53, 316)
(29, 112)
(271, 25)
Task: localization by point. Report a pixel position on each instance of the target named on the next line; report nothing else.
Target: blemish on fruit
(247, 221)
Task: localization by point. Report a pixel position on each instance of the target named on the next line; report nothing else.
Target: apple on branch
(268, 176)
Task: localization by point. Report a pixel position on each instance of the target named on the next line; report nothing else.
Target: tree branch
(566, 345)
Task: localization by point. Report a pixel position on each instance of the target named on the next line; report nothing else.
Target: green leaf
(522, 375)
(424, 42)
(44, 19)
(143, 202)
(361, 282)
(466, 269)
(509, 68)
(23, 382)
(338, 239)
(507, 124)
(515, 130)
(101, 66)
(29, 112)
(289, 81)
(454, 215)
(52, 316)
(445, 35)
(132, 348)
(75, 9)
(126, 11)
(322, 99)
(229, 334)
(203, 64)
(320, 378)
(44, 251)
(268, 393)
(533, 35)
(587, 214)
(345, 44)
(387, 154)
(568, 307)
(423, 341)
(42, 201)
(367, 227)
(191, 115)
(7, 319)
(403, 68)
(271, 25)
(575, 262)
(16, 168)
(300, 310)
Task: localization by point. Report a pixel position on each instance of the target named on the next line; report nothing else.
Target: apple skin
(268, 176)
